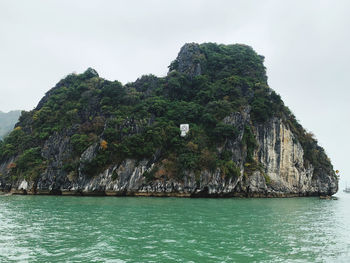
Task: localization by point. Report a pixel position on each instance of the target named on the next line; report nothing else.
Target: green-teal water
(122, 229)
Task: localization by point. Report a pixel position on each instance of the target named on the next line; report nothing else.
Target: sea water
(141, 229)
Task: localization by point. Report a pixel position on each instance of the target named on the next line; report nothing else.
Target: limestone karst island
(91, 136)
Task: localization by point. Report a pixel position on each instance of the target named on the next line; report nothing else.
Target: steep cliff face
(111, 139)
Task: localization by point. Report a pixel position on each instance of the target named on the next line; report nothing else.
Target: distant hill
(8, 121)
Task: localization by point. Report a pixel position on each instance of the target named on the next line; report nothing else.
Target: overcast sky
(305, 44)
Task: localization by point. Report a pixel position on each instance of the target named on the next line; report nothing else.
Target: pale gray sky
(304, 44)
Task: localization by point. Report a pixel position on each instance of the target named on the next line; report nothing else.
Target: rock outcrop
(188, 60)
(253, 153)
(278, 151)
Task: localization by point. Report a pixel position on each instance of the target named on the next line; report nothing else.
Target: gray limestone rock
(282, 172)
(188, 60)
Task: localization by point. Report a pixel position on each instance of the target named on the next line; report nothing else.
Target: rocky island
(91, 136)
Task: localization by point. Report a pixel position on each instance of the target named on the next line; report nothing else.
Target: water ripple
(105, 229)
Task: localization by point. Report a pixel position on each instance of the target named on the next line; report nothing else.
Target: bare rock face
(283, 158)
(188, 60)
(90, 73)
(282, 172)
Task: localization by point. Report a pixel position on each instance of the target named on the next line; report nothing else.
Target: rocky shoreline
(161, 194)
(92, 137)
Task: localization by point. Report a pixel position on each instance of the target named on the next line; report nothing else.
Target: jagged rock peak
(90, 72)
(188, 60)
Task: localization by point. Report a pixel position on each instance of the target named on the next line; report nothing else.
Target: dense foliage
(141, 119)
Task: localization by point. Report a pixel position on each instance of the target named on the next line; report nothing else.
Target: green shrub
(230, 170)
(267, 179)
(79, 142)
(115, 175)
(250, 142)
(149, 175)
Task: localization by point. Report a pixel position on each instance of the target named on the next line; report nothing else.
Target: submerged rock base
(158, 194)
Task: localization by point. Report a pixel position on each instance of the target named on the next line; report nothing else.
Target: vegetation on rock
(140, 120)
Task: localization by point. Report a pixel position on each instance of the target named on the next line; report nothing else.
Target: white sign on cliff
(184, 128)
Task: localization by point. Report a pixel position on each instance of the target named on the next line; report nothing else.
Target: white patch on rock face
(184, 128)
(89, 153)
(23, 185)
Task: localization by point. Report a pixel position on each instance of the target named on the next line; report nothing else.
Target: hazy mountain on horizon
(8, 121)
